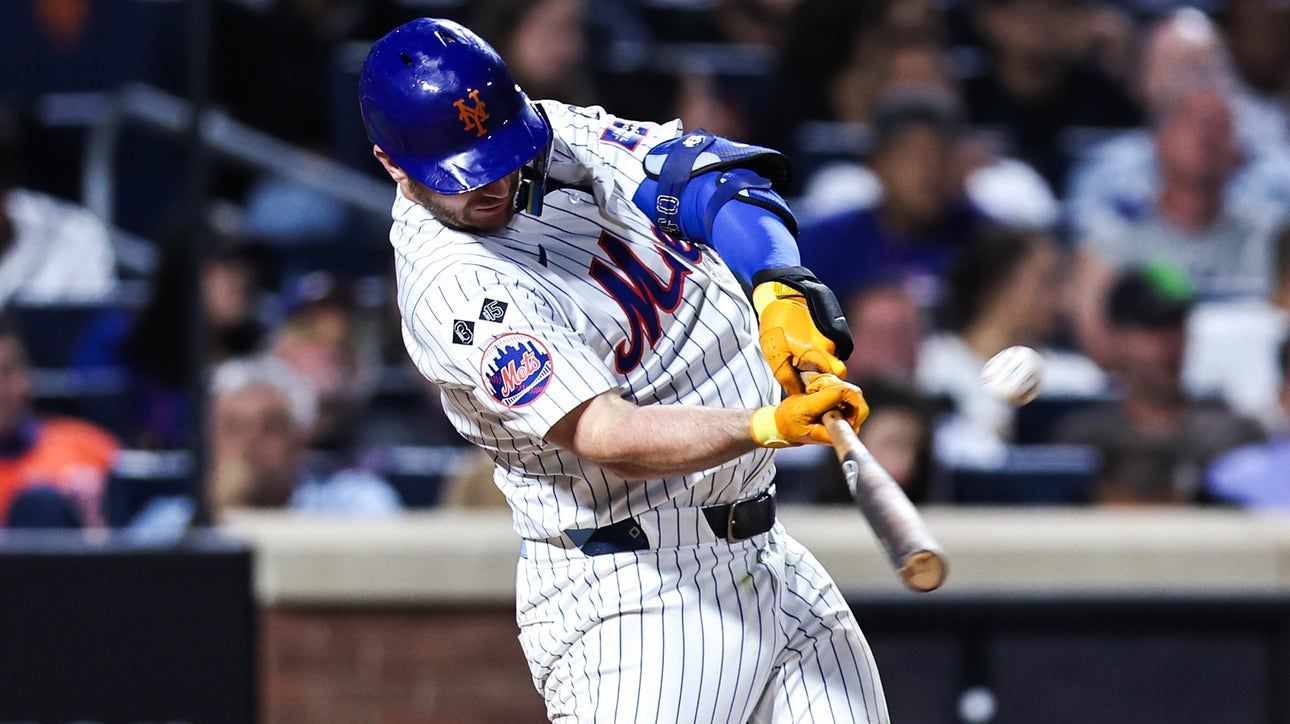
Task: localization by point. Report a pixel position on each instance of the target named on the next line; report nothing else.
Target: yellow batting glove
(799, 418)
(790, 341)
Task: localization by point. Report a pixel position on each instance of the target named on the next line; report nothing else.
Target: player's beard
(478, 215)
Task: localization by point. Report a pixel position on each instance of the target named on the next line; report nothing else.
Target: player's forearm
(662, 440)
(652, 441)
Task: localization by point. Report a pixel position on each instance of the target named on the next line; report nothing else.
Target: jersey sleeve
(511, 347)
(597, 147)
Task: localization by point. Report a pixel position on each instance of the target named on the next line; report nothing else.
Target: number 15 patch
(493, 310)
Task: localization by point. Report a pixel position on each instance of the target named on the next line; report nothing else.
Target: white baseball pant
(702, 631)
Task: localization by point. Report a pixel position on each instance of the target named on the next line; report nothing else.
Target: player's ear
(396, 172)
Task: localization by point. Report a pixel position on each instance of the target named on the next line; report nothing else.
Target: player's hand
(790, 341)
(799, 418)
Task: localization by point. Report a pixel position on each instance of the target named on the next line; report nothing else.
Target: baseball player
(574, 284)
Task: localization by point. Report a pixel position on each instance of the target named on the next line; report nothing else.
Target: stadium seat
(139, 476)
(1036, 421)
(418, 472)
(73, 350)
(55, 335)
(1029, 475)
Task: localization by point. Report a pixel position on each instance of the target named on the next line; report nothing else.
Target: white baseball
(1014, 375)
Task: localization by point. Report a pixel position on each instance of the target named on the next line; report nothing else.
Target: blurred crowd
(1105, 181)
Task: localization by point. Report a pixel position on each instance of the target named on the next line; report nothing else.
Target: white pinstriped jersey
(521, 326)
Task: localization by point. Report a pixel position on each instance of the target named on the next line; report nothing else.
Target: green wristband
(764, 429)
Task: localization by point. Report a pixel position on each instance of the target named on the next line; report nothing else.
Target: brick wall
(394, 666)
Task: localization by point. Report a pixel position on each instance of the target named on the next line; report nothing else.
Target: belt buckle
(730, 515)
(730, 521)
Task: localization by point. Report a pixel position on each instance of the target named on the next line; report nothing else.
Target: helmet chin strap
(531, 189)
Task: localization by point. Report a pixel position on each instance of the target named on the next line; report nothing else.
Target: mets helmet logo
(472, 117)
(516, 370)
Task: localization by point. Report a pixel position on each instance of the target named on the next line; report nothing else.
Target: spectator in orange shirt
(52, 469)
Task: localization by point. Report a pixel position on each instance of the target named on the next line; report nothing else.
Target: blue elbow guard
(672, 166)
(690, 183)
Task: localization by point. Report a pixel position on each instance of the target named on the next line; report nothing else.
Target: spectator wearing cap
(261, 416)
(909, 231)
(1155, 440)
(1254, 476)
(321, 338)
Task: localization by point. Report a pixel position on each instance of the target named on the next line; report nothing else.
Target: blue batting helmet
(440, 102)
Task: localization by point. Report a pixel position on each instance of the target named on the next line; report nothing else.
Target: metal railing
(106, 114)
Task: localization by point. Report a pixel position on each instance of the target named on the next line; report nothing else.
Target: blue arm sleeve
(749, 237)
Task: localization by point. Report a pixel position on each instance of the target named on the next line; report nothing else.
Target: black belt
(730, 521)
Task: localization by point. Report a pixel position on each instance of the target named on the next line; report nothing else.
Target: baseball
(1013, 375)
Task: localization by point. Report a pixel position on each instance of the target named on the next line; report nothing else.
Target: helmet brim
(499, 153)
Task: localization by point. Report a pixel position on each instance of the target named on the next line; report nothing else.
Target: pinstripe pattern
(732, 618)
(750, 632)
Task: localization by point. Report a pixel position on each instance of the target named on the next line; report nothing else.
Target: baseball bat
(895, 521)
